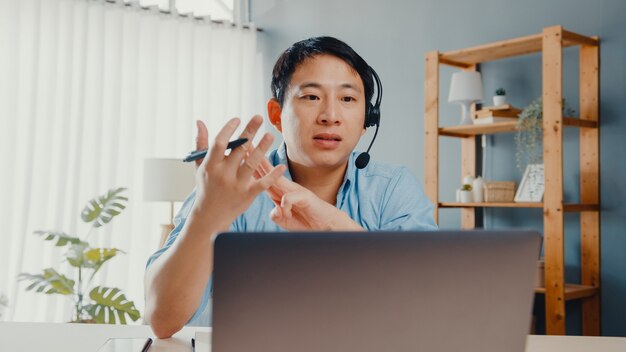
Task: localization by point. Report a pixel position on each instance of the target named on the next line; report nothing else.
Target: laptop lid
(373, 291)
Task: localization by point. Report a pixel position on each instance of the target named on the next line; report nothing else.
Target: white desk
(32, 337)
(49, 337)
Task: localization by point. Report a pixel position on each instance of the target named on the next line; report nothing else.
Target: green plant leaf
(62, 238)
(102, 209)
(96, 257)
(50, 282)
(76, 255)
(111, 306)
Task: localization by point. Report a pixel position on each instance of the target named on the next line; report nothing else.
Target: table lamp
(466, 88)
(167, 180)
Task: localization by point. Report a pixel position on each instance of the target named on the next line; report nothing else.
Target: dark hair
(308, 48)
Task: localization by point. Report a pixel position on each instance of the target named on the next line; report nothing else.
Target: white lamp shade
(466, 86)
(167, 180)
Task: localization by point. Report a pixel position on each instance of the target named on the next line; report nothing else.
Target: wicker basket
(500, 191)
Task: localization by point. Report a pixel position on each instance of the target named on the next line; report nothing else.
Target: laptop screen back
(396, 291)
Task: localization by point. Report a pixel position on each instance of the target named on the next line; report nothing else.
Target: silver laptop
(379, 291)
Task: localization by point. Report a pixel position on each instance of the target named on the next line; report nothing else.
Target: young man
(320, 89)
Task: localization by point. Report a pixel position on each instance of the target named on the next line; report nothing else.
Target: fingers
(276, 215)
(268, 180)
(202, 139)
(221, 140)
(251, 128)
(275, 194)
(252, 162)
(290, 199)
(264, 167)
(238, 154)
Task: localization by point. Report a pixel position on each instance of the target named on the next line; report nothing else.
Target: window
(217, 9)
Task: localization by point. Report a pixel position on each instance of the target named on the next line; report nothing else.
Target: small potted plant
(464, 194)
(500, 97)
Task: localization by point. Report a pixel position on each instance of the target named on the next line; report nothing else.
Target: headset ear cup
(373, 116)
(369, 110)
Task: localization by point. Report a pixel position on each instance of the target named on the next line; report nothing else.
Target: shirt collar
(281, 153)
(348, 179)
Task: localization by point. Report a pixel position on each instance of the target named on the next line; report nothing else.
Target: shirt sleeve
(405, 205)
(179, 222)
(202, 316)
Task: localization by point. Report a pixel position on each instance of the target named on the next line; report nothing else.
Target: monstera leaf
(83, 256)
(75, 255)
(111, 306)
(49, 282)
(95, 257)
(62, 238)
(101, 210)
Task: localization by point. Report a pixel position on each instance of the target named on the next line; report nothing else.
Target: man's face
(323, 112)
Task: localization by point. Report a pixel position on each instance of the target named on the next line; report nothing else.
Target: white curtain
(88, 89)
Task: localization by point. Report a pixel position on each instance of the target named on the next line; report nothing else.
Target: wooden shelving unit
(550, 44)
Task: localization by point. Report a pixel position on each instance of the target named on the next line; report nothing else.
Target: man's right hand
(224, 183)
(225, 188)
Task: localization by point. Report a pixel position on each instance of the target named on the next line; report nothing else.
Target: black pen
(199, 154)
(147, 345)
(193, 345)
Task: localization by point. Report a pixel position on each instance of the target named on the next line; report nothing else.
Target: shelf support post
(431, 129)
(468, 167)
(552, 66)
(590, 185)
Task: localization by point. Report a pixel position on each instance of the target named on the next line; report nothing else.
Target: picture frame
(531, 188)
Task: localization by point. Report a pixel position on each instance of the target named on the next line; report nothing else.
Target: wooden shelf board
(463, 131)
(474, 130)
(508, 48)
(571, 208)
(576, 208)
(574, 291)
(496, 205)
(495, 51)
(576, 122)
(571, 38)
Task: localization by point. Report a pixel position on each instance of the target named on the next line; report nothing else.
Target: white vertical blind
(89, 89)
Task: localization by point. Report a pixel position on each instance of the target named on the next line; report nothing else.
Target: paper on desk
(203, 341)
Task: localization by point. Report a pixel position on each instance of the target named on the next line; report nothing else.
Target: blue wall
(393, 36)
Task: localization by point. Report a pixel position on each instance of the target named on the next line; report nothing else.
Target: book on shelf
(499, 107)
(513, 112)
(500, 113)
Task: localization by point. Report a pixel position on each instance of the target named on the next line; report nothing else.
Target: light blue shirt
(379, 197)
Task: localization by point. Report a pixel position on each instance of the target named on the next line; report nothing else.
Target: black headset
(372, 118)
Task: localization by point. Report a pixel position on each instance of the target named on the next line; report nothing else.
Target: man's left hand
(299, 209)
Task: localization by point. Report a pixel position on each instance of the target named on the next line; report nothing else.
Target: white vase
(499, 100)
(477, 189)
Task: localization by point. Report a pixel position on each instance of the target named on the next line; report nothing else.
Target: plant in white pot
(97, 304)
(465, 194)
(500, 97)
